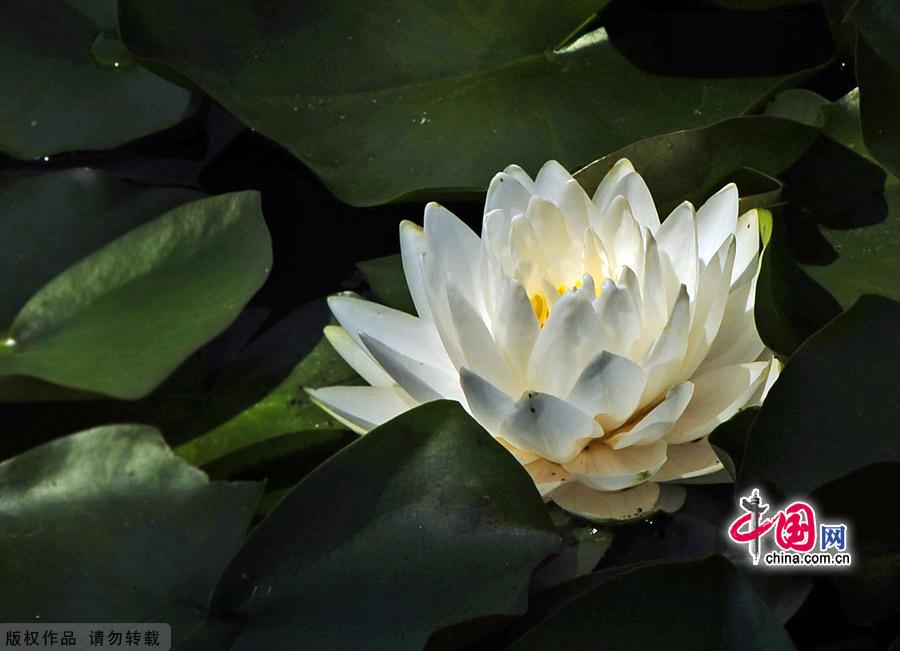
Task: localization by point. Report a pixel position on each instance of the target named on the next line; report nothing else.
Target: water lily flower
(599, 345)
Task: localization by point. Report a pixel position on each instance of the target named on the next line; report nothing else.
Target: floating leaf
(287, 410)
(70, 83)
(833, 403)
(704, 602)
(107, 525)
(691, 165)
(422, 523)
(444, 97)
(120, 320)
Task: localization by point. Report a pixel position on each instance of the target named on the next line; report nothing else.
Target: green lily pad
(422, 523)
(441, 99)
(692, 164)
(879, 91)
(385, 277)
(54, 220)
(121, 319)
(71, 85)
(696, 604)
(834, 403)
(107, 525)
(285, 418)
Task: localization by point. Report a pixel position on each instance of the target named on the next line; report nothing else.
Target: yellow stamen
(562, 289)
(541, 308)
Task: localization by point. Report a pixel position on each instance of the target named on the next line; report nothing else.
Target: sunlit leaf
(120, 320)
(107, 525)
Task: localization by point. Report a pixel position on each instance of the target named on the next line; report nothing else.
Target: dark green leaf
(730, 437)
(287, 410)
(849, 211)
(790, 306)
(120, 320)
(691, 165)
(870, 592)
(424, 522)
(676, 605)
(107, 525)
(54, 220)
(757, 5)
(834, 403)
(584, 544)
(866, 259)
(799, 105)
(879, 93)
(879, 21)
(71, 85)
(444, 97)
(385, 277)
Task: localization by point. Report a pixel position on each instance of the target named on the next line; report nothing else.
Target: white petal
(601, 467)
(489, 405)
(709, 305)
(507, 193)
(601, 506)
(747, 236)
(718, 395)
(765, 386)
(553, 237)
(677, 241)
(421, 381)
(658, 422)
(666, 355)
(609, 388)
(362, 408)
(568, 337)
(639, 198)
(716, 220)
(619, 312)
(737, 340)
(659, 287)
(689, 460)
(403, 332)
(550, 180)
(515, 326)
(545, 425)
(454, 250)
(622, 237)
(521, 456)
(412, 247)
(495, 234)
(547, 476)
(574, 205)
(608, 188)
(357, 357)
(521, 176)
(478, 347)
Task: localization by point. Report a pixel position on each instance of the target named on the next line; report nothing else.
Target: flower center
(541, 305)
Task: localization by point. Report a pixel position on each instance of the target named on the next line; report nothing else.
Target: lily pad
(694, 163)
(107, 525)
(703, 602)
(71, 85)
(121, 319)
(422, 523)
(833, 403)
(443, 97)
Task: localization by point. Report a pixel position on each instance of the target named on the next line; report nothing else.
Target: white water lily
(598, 345)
